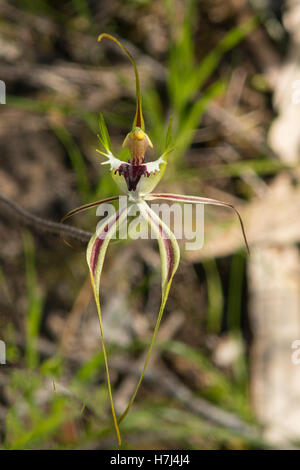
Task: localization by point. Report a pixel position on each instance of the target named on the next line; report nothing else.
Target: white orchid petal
(114, 162)
(153, 167)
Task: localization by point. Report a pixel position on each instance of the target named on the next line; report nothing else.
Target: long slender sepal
(170, 256)
(138, 119)
(95, 254)
(88, 206)
(199, 200)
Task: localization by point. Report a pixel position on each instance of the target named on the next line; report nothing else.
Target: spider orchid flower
(136, 179)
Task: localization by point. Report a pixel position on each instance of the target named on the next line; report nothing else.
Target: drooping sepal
(95, 255)
(170, 256)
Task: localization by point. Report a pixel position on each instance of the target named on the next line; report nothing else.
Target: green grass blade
(215, 296)
(35, 304)
(76, 159)
(104, 135)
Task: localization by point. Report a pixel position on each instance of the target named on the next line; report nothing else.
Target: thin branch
(43, 225)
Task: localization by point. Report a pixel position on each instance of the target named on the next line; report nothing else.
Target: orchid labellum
(137, 179)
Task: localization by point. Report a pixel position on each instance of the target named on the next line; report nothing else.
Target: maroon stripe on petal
(88, 206)
(183, 198)
(168, 246)
(170, 256)
(197, 199)
(95, 254)
(100, 240)
(200, 200)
